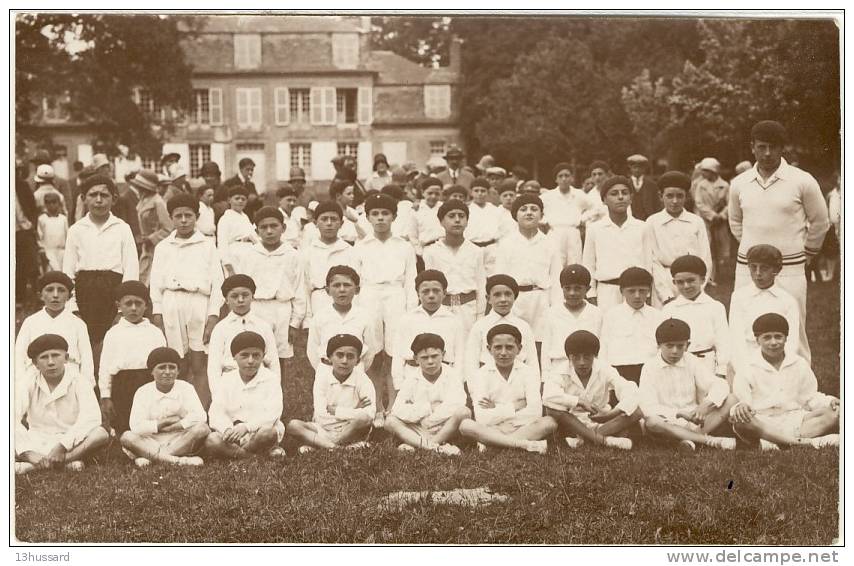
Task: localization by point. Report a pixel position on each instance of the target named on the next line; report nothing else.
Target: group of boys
(505, 341)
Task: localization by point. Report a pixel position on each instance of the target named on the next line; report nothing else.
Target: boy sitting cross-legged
(344, 400)
(681, 399)
(576, 394)
(506, 395)
(247, 405)
(431, 404)
(779, 401)
(167, 421)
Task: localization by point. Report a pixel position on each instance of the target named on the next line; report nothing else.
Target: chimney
(365, 24)
(455, 56)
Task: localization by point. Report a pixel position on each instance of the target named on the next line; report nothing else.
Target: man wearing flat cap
(778, 204)
(710, 196)
(645, 201)
(455, 174)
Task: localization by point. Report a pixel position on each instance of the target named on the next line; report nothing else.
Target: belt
(459, 299)
(702, 353)
(484, 244)
(430, 243)
(413, 363)
(611, 282)
(526, 288)
(318, 289)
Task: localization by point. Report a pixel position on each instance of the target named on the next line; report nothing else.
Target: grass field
(651, 495)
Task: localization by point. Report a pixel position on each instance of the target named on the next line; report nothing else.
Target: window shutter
(321, 160)
(364, 160)
(242, 107)
(215, 105)
(255, 107)
(283, 107)
(329, 111)
(283, 161)
(218, 155)
(84, 153)
(366, 105)
(316, 105)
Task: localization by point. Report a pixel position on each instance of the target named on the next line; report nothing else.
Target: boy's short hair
(244, 162)
(574, 274)
(610, 182)
(600, 164)
(674, 179)
(133, 289)
(336, 189)
(341, 340)
(506, 186)
(499, 329)
(269, 212)
(183, 200)
(450, 205)
(672, 330)
(393, 190)
(457, 190)
(480, 182)
(522, 200)
(44, 343)
(328, 206)
(162, 355)
(235, 281)
(51, 197)
(55, 277)
(247, 339)
(96, 180)
(765, 254)
(563, 165)
(426, 340)
(502, 279)
(379, 201)
(769, 131)
(581, 342)
(344, 270)
(286, 190)
(428, 182)
(236, 190)
(770, 322)
(688, 264)
(431, 275)
(635, 277)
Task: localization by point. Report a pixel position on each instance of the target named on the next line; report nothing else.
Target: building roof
(272, 23)
(395, 69)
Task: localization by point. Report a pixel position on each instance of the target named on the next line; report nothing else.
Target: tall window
(247, 50)
(349, 148)
(300, 100)
(346, 105)
(437, 101)
(201, 112)
(345, 50)
(437, 148)
(248, 107)
(199, 155)
(149, 105)
(301, 156)
(55, 108)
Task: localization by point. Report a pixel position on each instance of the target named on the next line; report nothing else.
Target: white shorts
(466, 314)
(41, 442)
(567, 240)
(278, 314)
(184, 318)
(788, 423)
(389, 304)
(607, 296)
(680, 422)
(513, 424)
(531, 306)
(163, 439)
(331, 430)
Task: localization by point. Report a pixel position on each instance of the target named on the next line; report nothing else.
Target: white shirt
(328, 322)
(426, 227)
(220, 360)
(65, 324)
(318, 258)
(205, 223)
(401, 226)
(770, 391)
(531, 261)
(709, 328)
(669, 237)
(463, 268)
(110, 247)
(52, 231)
(150, 405)
(560, 323)
(628, 335)
(562, 390)
(749, 303)
(278, 275)
(420, 400)
(610, 249)
(256, 404)
(187, 264)
(522, 384)
(476, 346)
(126, 346)
(389, 262)
(293, 228)
(564, 210)
(417, 321)
(666, 389)
(342, 396)
(483, 223)
(234, 227)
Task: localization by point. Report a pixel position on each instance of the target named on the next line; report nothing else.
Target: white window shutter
(329, 109)
(255, 107)
(215, 105)
(84, 153)
(364, 160)
(218, 155)
(255, 51)
(366, 105)
(316, 105)
(283, 161)
(181, 149)
(242, 107)
(321, 160)
(283, 107)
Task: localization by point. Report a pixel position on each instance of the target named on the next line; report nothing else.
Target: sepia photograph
(426, 278)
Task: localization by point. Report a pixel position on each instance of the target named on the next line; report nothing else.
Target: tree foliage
(423, 39)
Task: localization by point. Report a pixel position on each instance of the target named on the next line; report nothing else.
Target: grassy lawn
(651, 495)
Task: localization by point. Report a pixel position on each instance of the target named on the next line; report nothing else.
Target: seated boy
(167, 421)
(628, 329)
(63, 423)
(247, 405)
(577, 395)
(506, 396)
(679, 397)
(431, 403)
(344, 400)
(779, 401)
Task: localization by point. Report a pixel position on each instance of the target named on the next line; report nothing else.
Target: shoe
(141, 462)
(305, 449)
(75, 466)
(448, 450)
(190, 461)
(618, 442)
(825, 441)
(538, 446)
(767, 446)
(406, 448)
(686, 446)
(277, 452)
(481, 447)
(22, 468)
(379, 420)
(574, 442)
(359, 445)
(720, 442)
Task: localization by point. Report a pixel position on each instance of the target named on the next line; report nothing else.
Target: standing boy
(52, 231)
(483, 223)
(426, 225)
(322, 253)
(234, 232)
(566, 207)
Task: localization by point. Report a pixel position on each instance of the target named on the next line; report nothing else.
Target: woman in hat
(381, 176)
(154, 221)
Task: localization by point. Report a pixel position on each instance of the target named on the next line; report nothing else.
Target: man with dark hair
(245, 170)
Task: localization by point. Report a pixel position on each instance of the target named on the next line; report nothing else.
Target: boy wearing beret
(167, 421)
(238, 291)
(426, 225)
(613, 244)
(679, 397)
(63, 423)
(100, 253)
(277, 270)
(344, 400)
(762, 295)
(577, 396)
(186, 275)
(710, 339)
(779, 402)
(54, 289)
(628, 329)
(506, 396)
(154, 221)
(483, 223)
(124, 359)
(431, 403)
(462, 263)
(561, 320)
(672, 233)
(234, 232)
(245, 416)
(565, 206)
(456, 192)
(322, 253)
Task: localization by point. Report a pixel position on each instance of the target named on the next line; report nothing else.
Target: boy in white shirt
(344, 400)
(506, 396)
(124, 358)
(63, 423)
(778, 398)
(507, 196)
(566, 207)
(167, 421)
(426, 225)
(710, 339)
(431, 403)
(292, 232)
(205, 224)
(245, 416)
(577, 396)
(680, 398)
(671, 233)
(484, 222)
(562, 320)
(322, 253)
(52, 231)
(186, 275)
(234, 232)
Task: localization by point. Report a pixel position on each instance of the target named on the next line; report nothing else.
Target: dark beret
(431, 275)
(502, 279)
(44, 343)
(235, 281)
(393, 190)
(688, 264)
(380, 201)
(98, 179)
(328, 206)
(480, 182)
(765, 254)
(522, 200)
(427, 340)
(55, 277)
(237, 190)
(183, 200)
(504, 329)
(162, 356)
(770, 322)
(560, 167)
(133, 288)
(505, 186)
(428, 182)
(672, 330)
(610, 182)
(675, 179)
(269, 212)
(635, 277)
(341, 340)
(574, 274)
(247, 339)
(344, 270)
(456, 189)
(209, 168)
(769, 131)
(581, 342)
(450, 205)
(286, 190)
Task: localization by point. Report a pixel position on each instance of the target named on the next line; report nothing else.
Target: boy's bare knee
(98, 437)
(462, 413)
(549, 424)
(654, 424)
(199, 431)
(128, 437)
(362, 419)
(467, 427)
